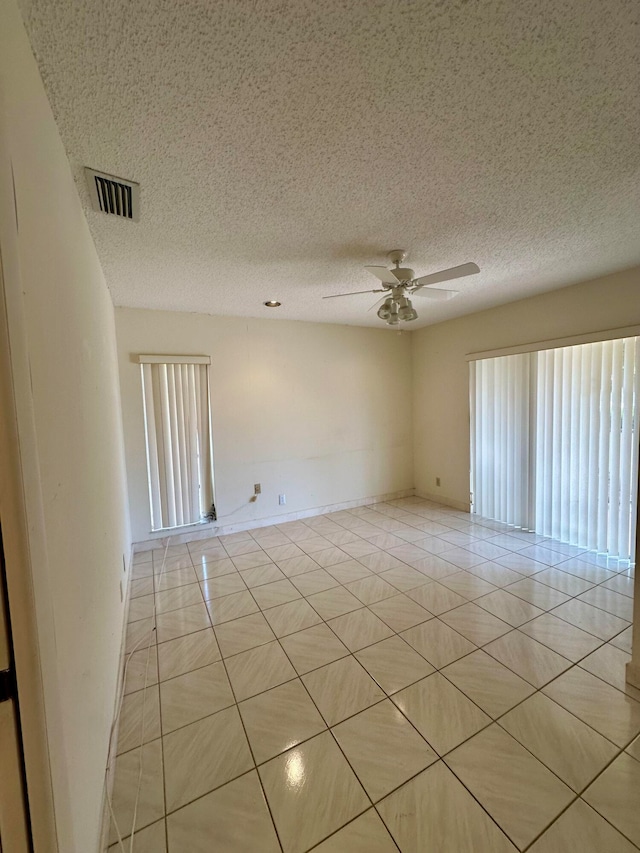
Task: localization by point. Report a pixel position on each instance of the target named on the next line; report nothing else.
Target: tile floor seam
(493, 719)
(242, 723)
(550, 769)
(210, 791)
(557, 817)
(484, 649)
(162, 743)
(572, 803)
(574, 663)
(485, 810)
(595, 675)
(558, 616)
(441, 755)
(540, 690)
(350, 655)
(617, 828)
(352, 820)
(255, 767)
(153, 633)
(164, 775)
(352, 768)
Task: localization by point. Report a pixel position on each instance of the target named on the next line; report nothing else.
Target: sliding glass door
(555, 442)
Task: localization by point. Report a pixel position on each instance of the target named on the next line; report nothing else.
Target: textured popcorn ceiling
(283, 144)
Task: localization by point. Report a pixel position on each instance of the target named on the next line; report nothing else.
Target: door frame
(22, 520)
(15, 831)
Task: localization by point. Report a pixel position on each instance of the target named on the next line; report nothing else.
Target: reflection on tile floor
(400, 676)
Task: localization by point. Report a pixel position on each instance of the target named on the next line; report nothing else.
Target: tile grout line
(242, 723)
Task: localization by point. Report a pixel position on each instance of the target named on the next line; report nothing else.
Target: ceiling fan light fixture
(384, 311)
(406, 310)
(393, 319)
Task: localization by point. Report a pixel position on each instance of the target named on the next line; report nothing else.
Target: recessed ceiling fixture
(272, 303)
(401, 283)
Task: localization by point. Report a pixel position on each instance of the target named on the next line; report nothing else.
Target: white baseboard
(218, 528)
(461, 505)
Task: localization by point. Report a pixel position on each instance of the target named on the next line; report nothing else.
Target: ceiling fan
(400, 283)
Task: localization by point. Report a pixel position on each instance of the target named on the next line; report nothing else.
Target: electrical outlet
(257, 489)
(437, 481)
(282, 499)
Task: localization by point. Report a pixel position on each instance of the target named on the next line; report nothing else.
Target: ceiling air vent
(114, 196)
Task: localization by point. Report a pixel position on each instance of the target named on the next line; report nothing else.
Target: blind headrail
(558, 343)
(174, 359)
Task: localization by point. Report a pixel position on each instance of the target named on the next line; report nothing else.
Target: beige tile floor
(395, 677)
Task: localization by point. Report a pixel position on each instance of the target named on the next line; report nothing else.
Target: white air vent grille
(115, 196)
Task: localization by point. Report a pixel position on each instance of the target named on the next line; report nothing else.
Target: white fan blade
(447, 275)
(383, 274)
(434, 293)
(354, 293)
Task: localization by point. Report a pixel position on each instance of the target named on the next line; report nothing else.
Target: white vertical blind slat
(626, 442)
(635, 449)
(179, 445)
(576, 454)
(602, 483)
(595, 425)
(473, 430)
(500, 464)
(151, 443)
(614, 447)
(191, 371)
(167, 485)
(583, 455)
(205, 448)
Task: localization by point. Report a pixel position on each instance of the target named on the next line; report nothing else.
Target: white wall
(441, 373)
(66, 317)
(317, 412)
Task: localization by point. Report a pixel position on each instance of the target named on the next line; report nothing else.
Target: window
(178, 438)
(555, 442)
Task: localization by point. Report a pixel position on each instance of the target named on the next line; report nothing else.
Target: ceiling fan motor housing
(404, 274)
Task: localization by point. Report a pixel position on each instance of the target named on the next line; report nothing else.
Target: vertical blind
(178, 438)
(555, 443)
(501, 482)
